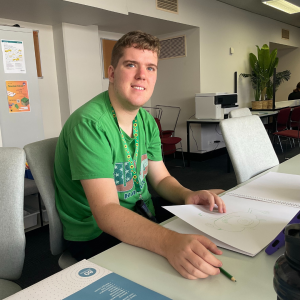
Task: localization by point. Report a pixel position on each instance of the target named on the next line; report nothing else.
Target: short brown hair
(136, 39)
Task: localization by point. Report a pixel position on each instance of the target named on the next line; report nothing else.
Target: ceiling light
(283, 5)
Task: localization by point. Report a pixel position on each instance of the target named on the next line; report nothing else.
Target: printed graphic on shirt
(123, 176)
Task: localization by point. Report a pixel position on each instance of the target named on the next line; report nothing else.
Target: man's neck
(124, 116)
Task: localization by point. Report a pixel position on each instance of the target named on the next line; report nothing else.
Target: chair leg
(286, 142)
(280, 143)
(182, 155)
(162, 151)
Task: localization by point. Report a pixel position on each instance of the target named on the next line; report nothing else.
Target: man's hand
(190, 255)
(206, 197)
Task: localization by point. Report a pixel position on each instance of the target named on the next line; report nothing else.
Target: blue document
(113, 286)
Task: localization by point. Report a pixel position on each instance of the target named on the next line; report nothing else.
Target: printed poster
(13, 56)
(17, 96)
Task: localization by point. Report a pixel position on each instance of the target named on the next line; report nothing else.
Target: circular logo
(87, 272)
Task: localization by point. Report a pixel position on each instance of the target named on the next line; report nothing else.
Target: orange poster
(17, 96)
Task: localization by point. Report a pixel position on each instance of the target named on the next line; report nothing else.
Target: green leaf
(264, 58)
(253, 60)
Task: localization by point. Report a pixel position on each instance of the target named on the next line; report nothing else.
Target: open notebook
(256, 213)
(279, 188)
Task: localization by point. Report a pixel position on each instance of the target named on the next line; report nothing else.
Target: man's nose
(140, 73)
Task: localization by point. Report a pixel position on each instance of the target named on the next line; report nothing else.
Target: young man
(104, 152)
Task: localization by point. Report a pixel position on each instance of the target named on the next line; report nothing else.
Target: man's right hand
(191, 255)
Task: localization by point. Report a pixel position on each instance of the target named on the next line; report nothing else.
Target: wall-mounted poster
(13, 56)
(17, 96)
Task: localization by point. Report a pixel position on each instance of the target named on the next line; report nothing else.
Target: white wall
(48, 84)
(178, 81)
(119, 6)
(288, 60)
(83, 66)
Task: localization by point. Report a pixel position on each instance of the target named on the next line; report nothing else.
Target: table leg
(188, 142)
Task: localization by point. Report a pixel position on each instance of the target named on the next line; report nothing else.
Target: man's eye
(130, 65)
(151, 69)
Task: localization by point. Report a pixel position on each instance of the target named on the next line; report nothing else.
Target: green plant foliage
(262, 70)
(280, 78)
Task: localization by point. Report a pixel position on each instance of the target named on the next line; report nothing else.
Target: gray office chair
(240, 112)
(249, 146)
(40, 157)
(12, 236)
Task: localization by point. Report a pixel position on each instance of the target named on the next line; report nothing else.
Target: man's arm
(170, 189)
(189, 254)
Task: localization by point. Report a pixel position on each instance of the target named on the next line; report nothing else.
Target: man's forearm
(131, 228)
(170, 189)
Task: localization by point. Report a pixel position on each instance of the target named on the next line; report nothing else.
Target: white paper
(62, 284)
(273, 187)
(181, 226)
(248, 225)
(13, 56)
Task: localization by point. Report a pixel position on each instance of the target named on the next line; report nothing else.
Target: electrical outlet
(210, 142)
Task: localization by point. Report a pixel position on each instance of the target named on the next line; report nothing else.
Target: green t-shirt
(90, 146)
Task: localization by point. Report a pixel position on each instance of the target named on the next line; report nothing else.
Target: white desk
(261, 114)
(254, 275)
(289, 103)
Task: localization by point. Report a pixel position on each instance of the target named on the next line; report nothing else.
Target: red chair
(282, 120)
(172, 111)
(294, 122)
(282, 123)
(295, 117)
(168, 144)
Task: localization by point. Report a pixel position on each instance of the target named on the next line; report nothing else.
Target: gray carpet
(212, 173)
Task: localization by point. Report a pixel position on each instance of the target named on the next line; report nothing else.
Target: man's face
(134, 77)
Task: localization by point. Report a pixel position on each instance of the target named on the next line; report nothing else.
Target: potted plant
(262, 69)
(280, 78)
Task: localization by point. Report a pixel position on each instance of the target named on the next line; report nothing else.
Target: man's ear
(111, 74)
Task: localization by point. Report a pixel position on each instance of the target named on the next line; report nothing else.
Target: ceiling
(51, 12)
(257, 7)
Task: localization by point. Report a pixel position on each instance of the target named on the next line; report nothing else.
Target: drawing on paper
(238, 221)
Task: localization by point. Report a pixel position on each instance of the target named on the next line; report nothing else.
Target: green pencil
(227, 274)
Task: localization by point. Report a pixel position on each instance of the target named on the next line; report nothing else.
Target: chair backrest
(283, 116)
(249, 146)
(295, 116)
(158, 125)
(12, 236)
(40, 156)
(173, 113)
(240, 112)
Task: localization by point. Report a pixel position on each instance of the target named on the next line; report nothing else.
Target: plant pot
(270, 104)
(265, 104)
(263, 94)
(256, 105)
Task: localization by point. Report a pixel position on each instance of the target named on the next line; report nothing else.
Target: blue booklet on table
(86, 280)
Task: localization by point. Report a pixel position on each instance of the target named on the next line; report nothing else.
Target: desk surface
(289, 103)
(257, 112)
(254, 274)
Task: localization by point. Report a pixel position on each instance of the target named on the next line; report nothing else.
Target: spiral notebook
(256, 213)
(279, 188)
